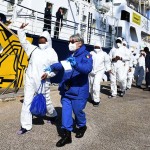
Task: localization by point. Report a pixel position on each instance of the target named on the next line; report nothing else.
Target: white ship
(102, 20)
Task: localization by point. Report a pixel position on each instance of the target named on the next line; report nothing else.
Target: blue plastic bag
(38, 105)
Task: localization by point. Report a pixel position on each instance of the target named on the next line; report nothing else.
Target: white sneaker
(112, 96)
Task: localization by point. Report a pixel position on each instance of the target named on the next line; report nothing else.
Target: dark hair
(49, 4)
(146, 49)
(59, 9)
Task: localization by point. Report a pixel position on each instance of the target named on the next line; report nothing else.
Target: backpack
(38, 105)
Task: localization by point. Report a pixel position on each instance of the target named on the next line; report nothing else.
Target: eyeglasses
(72, 41)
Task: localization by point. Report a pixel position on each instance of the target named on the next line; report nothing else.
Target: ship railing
(36, 23)
(36, 18)
(15, 80)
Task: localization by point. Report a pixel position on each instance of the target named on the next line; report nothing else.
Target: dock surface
(117, 124)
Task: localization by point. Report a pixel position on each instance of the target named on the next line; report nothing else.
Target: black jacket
(59, 16)
(47, 13)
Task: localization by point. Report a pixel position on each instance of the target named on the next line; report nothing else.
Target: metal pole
(80, 13)
(16, 76)
(8, 87)
(15, 11)
(59, 27)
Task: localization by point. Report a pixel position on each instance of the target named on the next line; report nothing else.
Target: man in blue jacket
(74, 88)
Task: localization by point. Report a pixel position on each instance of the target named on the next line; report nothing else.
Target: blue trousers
(75, 106)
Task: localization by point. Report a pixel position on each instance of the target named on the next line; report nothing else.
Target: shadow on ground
(40, 120)
(105, 89)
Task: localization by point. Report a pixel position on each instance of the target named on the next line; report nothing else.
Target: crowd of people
(83, 72)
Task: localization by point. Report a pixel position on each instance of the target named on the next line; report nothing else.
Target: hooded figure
(128, 63)
(118, 58)
(40, 58)
(101, 62)
(140, 69)
(132, 64)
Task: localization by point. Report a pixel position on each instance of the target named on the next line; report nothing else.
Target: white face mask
(97, 50)
(72, 47)
(119, 44)
(43, 46)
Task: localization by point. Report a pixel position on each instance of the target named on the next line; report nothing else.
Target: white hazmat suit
(132, 64)
(118, 69)
(128, 63)
(40, 59)
(101, 62)
(140, 69)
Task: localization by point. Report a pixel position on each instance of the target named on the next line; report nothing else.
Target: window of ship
(118, 32)
(104, 23)
(10, 5)
(84, 18)
(145, 37)
(65, 10)
(125, 15)
(88, 1)
(109, 0)
(12, 1)
(94, 23)
(117, 4)
(133, 34)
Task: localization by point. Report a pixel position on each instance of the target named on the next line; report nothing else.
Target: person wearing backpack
(40, 58)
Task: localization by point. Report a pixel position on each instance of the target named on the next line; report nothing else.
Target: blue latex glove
(72, 61)
(48, 69)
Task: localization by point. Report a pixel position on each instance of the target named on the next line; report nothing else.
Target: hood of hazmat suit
(47, 36)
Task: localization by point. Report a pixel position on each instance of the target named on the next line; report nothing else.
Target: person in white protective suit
(40, 58)
(140, 69)
(132, 64)
(101, 62)
(127, 63)
(118, 58)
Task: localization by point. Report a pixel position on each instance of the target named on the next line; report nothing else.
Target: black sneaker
(95, 104)
(80, 132)
(146, 89)
(52, 120)
(22, 131)
(122, 94)
(138, 86)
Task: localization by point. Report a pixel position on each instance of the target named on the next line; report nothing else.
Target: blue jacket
(77, 78)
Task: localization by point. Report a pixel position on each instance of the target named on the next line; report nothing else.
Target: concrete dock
(117, 124)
